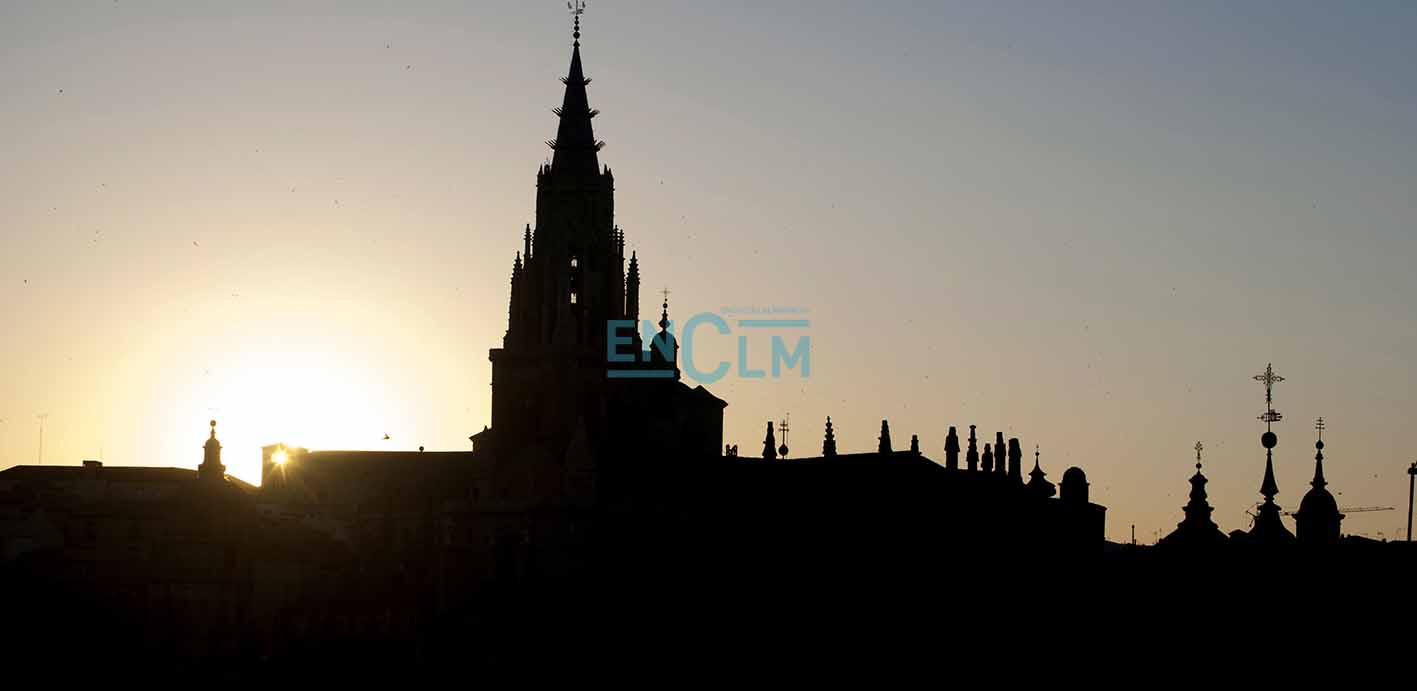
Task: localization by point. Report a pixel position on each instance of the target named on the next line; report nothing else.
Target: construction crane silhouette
(1352, 509)
(1344, 510)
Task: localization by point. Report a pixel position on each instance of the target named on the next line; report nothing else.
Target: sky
(1084, 224)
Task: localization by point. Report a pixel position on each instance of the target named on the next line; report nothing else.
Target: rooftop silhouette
(601, 515)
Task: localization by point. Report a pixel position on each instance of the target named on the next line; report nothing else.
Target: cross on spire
(664, 311)
(1199, 447)
(1269, 379)
(1319, 425)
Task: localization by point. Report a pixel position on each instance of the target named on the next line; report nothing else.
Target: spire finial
(783, 427)
(1319, 455)
(664, 314)
(577, 9)
(1038, 483)
(1269, 379)
(1199, 447)
(213, 424)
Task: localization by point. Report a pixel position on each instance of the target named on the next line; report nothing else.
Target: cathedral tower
(556, 371)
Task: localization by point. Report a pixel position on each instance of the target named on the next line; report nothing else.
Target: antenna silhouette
(42, 417)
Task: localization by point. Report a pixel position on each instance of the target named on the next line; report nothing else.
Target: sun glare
(280, 457)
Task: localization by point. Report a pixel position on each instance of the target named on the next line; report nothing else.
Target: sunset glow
(992, 218)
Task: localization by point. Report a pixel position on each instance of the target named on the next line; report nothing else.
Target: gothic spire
(952, 449)
(513, 304)
(632, 291)
(575, 145)
(885, 440)
(829, 442)
(769, 444)
(915, 444)
(987, 460)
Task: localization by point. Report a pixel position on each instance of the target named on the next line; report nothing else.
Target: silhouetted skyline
(1081, 227)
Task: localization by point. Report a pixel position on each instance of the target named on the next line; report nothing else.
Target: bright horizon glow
(1085, 225)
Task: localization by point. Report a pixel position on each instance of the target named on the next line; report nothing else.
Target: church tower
(211, 469)
(569, 280)
(1196, 531)
(1268, 529)
(572, 306)
(1318, 517)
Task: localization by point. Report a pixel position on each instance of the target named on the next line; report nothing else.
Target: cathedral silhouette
(600, 500)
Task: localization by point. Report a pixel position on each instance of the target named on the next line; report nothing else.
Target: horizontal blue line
(639, 374)
(784, 323)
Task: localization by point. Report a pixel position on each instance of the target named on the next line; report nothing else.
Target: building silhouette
(1318, 518)
(601, 498)
(1196, 532)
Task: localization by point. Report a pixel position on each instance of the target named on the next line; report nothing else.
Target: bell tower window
(575, 279)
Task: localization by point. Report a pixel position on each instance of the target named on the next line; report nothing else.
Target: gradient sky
(1084, 224)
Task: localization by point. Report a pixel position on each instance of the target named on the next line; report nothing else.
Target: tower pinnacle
(211, 468)
(1268, 528)
(575, 145)
(577, 9)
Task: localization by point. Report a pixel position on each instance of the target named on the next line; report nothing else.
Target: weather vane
(577, 9)
(1269, 379)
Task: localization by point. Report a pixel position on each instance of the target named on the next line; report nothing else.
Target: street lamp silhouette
(1411, 478)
